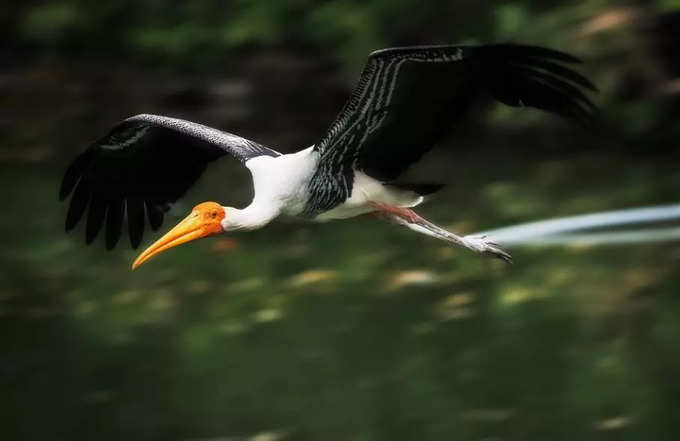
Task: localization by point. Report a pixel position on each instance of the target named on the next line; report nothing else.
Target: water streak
(570, 230)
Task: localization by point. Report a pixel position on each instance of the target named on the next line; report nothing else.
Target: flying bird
(406, 100)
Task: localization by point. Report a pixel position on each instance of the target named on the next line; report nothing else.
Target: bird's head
(204, 220)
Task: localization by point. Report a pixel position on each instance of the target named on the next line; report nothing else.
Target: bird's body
(367, 190)
(403, 104)
(281, 185)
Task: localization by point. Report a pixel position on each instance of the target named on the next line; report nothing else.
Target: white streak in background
(565, 230)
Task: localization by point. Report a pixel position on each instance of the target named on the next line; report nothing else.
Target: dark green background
(354, 330)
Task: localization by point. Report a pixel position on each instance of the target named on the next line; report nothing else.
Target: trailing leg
(410, 219)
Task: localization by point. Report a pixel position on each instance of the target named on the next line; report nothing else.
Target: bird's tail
(420, 189)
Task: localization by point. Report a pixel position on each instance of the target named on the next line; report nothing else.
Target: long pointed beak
(191, 228)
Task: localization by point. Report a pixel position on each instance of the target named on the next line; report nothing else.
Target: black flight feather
(409, 98)
(114, 221)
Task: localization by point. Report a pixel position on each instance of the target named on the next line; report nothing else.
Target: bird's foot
(482, 245)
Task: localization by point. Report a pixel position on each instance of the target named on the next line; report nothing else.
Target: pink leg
(388, 211)
(411, 219)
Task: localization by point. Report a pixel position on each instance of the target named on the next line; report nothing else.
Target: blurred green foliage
(200, 33)
(350, 330)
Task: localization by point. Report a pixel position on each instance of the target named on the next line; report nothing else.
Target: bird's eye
(214, 214)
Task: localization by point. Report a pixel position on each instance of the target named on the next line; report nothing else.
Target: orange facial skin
(205, 220)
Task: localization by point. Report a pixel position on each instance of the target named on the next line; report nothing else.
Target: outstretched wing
(407, 99)
(144, 161)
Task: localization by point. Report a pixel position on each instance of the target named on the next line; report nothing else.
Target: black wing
(144, 161)
(408, 98)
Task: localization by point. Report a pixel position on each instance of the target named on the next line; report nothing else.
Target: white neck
(252, 217)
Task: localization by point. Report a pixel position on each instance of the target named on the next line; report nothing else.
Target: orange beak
(203, 221)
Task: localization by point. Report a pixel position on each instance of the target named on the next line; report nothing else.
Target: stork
(406, 100)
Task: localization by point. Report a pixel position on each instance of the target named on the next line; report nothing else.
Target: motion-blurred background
(353, 330)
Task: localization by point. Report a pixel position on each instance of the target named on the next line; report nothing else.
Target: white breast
(282, 181)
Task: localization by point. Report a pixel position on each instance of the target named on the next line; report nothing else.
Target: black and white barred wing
(143, 165)
(407, 99)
